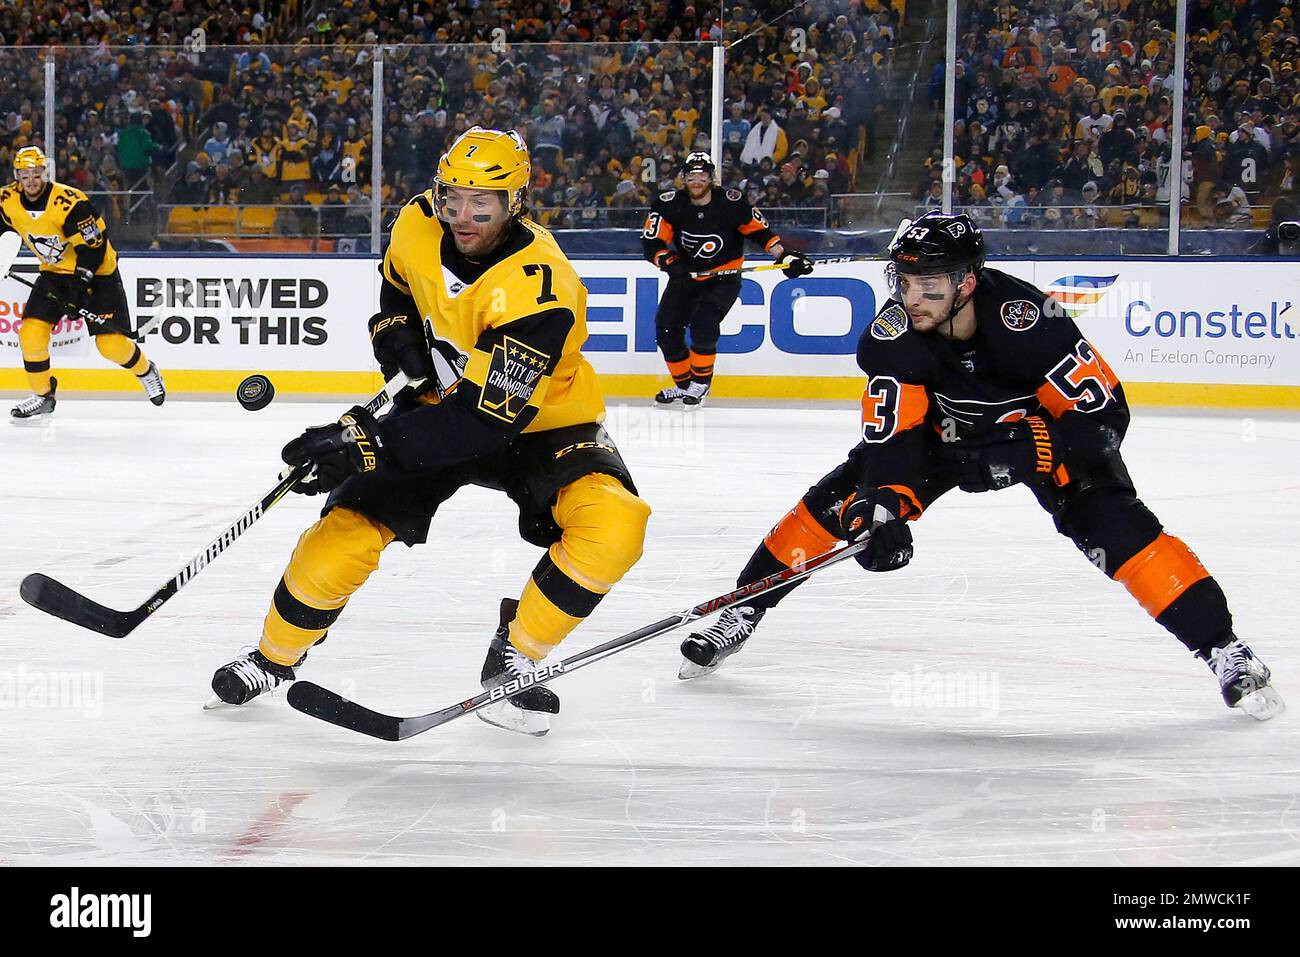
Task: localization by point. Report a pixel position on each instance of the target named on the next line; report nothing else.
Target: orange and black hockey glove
(674, 265)
(350, 446)
(1027, 450)
(880, 513)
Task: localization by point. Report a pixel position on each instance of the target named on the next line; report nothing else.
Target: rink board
(1189, 333)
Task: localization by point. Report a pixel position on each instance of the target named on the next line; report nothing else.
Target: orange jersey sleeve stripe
(1162, 571)
(753, 226)
(798, 537)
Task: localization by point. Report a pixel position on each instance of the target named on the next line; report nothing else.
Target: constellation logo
(75, 910)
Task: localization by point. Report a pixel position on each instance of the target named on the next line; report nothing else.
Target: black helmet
(698, 160)
(935, 243)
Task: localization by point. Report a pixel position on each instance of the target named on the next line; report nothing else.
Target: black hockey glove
(675, 266)
(350, 446)
(78, 288)
(796, 265)
(880, 513)
(399, 344)
(1026, 450)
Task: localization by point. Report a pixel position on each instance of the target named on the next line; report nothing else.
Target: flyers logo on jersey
(1019, 314)
(890, 324)
(513, 374)
(701, 247)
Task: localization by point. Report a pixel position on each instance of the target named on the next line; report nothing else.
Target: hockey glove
(79, 287)
(796, 265)
(1026, 450)
(399, 344)
(350, 446)
(674, 265)
(880, 513)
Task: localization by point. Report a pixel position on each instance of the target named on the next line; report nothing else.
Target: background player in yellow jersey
(480, 302)
(79, 267)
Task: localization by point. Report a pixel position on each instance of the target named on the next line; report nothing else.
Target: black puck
(255, 392)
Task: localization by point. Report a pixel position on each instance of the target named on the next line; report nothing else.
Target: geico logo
(810, 315)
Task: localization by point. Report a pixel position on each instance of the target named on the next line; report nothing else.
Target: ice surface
(999, 701)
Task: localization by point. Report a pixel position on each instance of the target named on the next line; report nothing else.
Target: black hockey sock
(761, 564)
(1199, 617)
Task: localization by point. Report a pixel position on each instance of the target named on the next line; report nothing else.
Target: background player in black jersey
(698, 229)
(980, 381)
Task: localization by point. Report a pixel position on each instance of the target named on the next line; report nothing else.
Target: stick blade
(57, 599)
(312, 699)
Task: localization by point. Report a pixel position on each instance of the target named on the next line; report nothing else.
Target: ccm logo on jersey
(1019, 314)
(701, 247)
(890, 324)
(513, 374)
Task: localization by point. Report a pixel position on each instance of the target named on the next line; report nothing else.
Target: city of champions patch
(890, 324)
(513, 374)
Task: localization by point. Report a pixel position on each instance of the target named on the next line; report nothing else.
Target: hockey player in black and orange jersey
(482, 304)
(79, 266)
(980, 381)
(701, 228)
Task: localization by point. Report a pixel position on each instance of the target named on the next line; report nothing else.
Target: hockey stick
(9, 249)
(322, 703)
(55, 598)
(763, 267)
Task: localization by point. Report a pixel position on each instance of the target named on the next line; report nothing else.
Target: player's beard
(698, 190)
(486, 238)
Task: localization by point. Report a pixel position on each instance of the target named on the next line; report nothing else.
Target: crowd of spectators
(212, 104)
(1065, 112)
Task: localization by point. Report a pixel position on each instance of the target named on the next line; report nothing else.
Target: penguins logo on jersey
(701, 247)
(50, 249)
(890, 324)
(1019, 314)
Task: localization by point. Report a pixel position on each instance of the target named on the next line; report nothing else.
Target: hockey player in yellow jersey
(78, 269)
(482, 304)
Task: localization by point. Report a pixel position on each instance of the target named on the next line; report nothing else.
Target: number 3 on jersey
(880, 409)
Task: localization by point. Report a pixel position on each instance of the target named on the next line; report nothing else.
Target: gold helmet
(486, 159)
(32, 157)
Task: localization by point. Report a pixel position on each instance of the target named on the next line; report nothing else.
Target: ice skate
(1243, 681)
(152, 383)
(666, 398)
(529, 711)
(247, 677)
(703, 652)
(31, 410)
(695, 395)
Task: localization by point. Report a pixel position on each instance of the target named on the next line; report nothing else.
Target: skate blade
(669, 406)
(1262, 704)
(511, 717)
(30, 421)
(692, 408)
(690, 669)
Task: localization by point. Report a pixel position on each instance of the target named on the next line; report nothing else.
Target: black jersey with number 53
(1027, 357)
